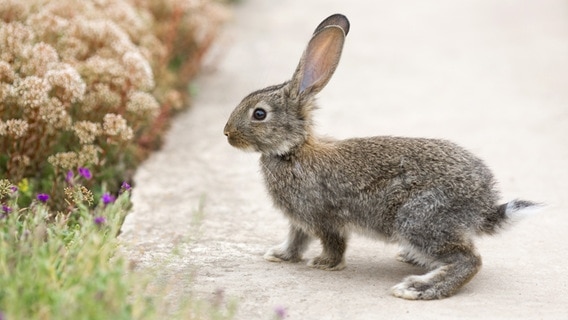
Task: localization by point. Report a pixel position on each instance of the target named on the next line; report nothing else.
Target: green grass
(69, 267)
(61, 269)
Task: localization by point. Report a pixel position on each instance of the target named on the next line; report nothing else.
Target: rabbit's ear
(334, 20)
(319, 61)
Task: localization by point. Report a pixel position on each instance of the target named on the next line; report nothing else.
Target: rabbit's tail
(508, 213)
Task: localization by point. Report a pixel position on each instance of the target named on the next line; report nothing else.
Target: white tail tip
(519, 209)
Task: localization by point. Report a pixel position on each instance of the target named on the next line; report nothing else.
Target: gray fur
(430, 196)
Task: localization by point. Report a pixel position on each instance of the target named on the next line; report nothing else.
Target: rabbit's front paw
(276, 254)
(326, 263)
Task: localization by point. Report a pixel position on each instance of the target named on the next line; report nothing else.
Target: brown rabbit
(430, 196)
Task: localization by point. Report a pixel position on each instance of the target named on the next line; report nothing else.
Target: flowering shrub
(86, 87)
(87, 83)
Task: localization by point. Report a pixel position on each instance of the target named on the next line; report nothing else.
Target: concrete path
(491, 75)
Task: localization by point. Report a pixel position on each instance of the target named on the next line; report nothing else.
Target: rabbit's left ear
(320, 59)
(334, 20)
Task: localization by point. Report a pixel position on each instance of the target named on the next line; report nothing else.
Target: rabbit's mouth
(237, 142)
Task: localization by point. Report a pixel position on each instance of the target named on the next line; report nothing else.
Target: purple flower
(86, 173)
(99, 220)
(6, 210)
(107, 198)
(280, 312)
(125, 186)
(69, 177)
(43, 197)
(14, 188)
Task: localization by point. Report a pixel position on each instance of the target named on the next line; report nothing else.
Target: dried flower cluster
(83, 81)
(78, 194)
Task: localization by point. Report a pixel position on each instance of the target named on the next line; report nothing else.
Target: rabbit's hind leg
(434, 231)
(454, 269)
(292, 248)
(410, 255)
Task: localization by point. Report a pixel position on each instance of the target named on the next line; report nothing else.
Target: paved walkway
(491, 75)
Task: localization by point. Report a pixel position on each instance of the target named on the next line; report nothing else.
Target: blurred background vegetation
(87, 89)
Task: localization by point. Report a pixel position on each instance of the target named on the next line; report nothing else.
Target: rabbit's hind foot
(419, 287)
(441, 282)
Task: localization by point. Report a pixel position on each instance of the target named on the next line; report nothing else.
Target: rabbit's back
(365, 182)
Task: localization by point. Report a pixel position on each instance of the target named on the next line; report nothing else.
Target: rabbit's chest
(298, 188)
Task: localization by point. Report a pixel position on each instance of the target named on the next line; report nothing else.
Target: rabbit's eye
(259, 114)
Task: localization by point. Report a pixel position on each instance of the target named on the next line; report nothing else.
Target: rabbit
(430, 196)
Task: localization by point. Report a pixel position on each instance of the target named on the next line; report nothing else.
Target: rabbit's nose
(226, 130)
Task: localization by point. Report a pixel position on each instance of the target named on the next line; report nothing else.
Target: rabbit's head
(277, 119)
